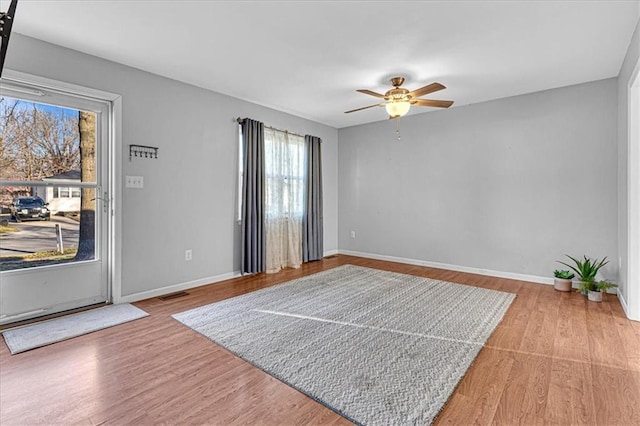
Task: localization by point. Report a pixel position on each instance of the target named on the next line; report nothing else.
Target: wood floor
(555, 359)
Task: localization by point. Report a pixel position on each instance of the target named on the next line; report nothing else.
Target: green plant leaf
(563, 274)
(577, 269)
(587, 269)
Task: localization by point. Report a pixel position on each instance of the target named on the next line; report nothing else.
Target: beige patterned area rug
(377, 347)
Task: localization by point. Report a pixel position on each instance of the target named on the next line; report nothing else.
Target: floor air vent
(173, 295)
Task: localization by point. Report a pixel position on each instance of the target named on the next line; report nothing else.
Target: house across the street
(63, 196)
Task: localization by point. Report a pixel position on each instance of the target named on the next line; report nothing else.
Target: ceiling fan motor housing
(397, 81)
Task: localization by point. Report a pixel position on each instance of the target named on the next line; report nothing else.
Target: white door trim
(633, 194)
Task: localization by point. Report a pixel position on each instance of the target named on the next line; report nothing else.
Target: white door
(55, 151)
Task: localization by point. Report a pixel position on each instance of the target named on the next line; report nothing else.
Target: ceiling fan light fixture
(397, 109)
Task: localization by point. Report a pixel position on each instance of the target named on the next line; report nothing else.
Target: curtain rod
(240, 120)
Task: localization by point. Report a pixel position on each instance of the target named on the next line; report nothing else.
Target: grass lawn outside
(7, 229)
(43, 258)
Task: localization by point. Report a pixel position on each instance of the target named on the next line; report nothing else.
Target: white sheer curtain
(284, 183)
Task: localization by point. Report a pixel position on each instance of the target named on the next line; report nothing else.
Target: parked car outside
(29, 208)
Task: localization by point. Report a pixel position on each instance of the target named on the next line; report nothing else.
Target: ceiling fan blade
(372, 93)
(431, 103)
(360, 109)
(433, 87)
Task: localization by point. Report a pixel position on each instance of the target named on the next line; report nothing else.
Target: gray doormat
(379, 348)
(55, 330)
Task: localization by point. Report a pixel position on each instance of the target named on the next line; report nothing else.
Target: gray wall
(189, 197)
(633, 53)
(509, 185)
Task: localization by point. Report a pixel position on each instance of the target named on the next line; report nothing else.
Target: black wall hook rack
(143, 151)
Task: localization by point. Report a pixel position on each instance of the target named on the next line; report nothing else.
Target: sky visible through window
(38, 139)
(52, 109)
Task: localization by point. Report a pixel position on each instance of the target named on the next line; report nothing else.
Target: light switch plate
(134, 182)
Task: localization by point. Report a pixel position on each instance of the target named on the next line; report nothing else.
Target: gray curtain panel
(253, 181)
(312, 222)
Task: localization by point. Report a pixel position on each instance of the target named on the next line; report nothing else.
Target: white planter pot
(595, 296)
(562, 284)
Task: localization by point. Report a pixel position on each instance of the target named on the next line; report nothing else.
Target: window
(284, 173)
(66, 192)
(240, 176)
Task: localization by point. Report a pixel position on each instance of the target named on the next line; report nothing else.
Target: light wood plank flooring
(555, 359)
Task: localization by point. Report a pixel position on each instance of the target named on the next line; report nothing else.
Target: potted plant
(595, 294)
(587, 270)
(562, 280)
(586, 286)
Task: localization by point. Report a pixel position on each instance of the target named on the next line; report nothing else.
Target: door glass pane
(37, 233)
(52, 147)
(41, 141)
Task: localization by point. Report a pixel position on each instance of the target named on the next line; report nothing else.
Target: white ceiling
(308, 57)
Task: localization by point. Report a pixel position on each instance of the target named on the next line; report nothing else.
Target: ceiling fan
(399, 100)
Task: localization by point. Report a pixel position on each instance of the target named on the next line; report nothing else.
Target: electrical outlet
(188, 254)
(353, 234)
(136, 182)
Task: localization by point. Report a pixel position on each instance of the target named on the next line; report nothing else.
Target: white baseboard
(625, 307)
(330, 253)
(177, 287)
(623, 303)
(458, 268)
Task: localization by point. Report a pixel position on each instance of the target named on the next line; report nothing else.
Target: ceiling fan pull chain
(398, 128)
